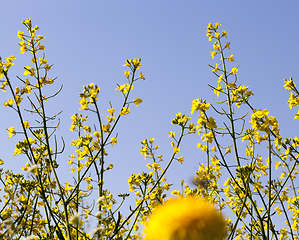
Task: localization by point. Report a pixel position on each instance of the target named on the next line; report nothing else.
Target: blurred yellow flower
(186, 218)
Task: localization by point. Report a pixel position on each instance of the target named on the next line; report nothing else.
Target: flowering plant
(249, 194)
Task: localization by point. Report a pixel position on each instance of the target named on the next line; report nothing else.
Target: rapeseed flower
(186, 218)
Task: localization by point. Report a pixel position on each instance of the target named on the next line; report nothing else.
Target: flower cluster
(257, 187)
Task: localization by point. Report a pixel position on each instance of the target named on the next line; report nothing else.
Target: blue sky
(89, 41)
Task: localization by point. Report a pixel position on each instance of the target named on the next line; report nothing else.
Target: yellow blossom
(204, 148)
(47, 67)
(213, 54)
(176, 149)
(226, 45)
(128, 63)
(220, 78)
(156, 166)
(215, 69)
(185, 218)
(289, 85)
(18, 100)
(231, 58)
(111, 111)
(113, 141)
(125, 111)
(137, 101)
(84, 104)
(211, 123)
(142, 76)
(26, 124)
(42, 47)
(181, 159)
(234, 71)
(9, 103)
(171, 134)
(227, 151)
(124, 88)
(29, 71)
(20, 35)
(127, 74)
(11, 132)
(106, 127)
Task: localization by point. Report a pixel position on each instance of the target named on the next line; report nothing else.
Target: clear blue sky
(89, 41)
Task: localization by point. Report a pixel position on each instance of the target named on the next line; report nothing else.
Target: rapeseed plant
(255, 189)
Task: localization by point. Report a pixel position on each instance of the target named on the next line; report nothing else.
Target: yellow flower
(17, 90)
(176, 149)
(220, 78)
(20, 35)
(227, 45)
(18, 100)
(29, 70)
(224, 34)
(42, 47)
(217, 25)
(208, 137)
(181, 159)
(202, 147)
(127, 74)
(84, 104)
(27, 21)
(199, 105)
(111, 111)
(231, 58)
(11, 131)
(142, 76)
(211, 123)
(9, 103)
(218, 90)
(128, 63)
(209, 35)
(106, 128)
(136, 62)
(186, 218)
(124, 88)
(289, 85)
(23, 48)
(113, 141)
(216, 46)
(149, 166)
(215, 69)
(213, 54)
(156, 166)
(42, 61)
(234, 71)
(137, 101)
(124, 111)
(227, 150)
(171, 134)
(26, 124)
(47, 67)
